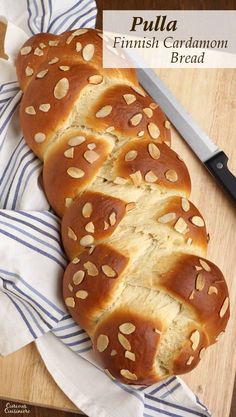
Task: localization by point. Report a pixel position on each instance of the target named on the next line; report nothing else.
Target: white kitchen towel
(32, 260)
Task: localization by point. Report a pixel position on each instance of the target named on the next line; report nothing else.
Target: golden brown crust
(167, 171)
(70, 165)
(126, 331)
(184, 218)
(92, 281)
(94, 214)
(130, 114)
(200, 284)
(137, 280)
(57, 112)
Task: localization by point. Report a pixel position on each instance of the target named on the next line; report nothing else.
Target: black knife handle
(217, 166)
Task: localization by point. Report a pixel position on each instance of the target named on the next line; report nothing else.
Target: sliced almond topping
(76, 140)
(191, 297)
(39, 137)
(91, 249)
(139, 90)
(42, 73)
(91, 156)
(78, 46)
(150, 177)
(136, 177)
(95, 79)
(153, 130)
(154, 151)
(102, 342)
(205, 265)
(70, 288)
(113, 352)
(190, 359)
(198, 268)
(112, 218)
(45, 107)
(130, 206)
(77, 32)
(136, 119)
(200, 282)
(171, 175)
(61, 88)
(54, 60)
(129, 98)
(212, 290)
(26, 50)
(124, 341)
(70, 302)
(189, 241)
(81, 294)
(88, 52)
(64, 68)
(87, 210)
(141, 133)
(75, 172)
(167, 124)
(108, 271)
(110, 129)
(197, 221)
(195, 339)
(91, 146)
(148, 112)
(224, 307)
(166, 218)
(75, 260)
(127, 328)
(120, 180)
(185, 204)
(131, 155)
(68, 201)
(78, 277)
(91, 269)
(153, 106)
(181, 226)
(106, 225)
(90, 227)
(157, 331)
(104, 111)
(38, 52)
(29, 71)
(130, 355)
(71, 234)
(202, 352)
(30, 110)
(69, 153)
(53, 43)
(42, 45)
(86, 240)
(128, 375)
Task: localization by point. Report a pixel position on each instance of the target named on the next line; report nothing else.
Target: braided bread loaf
(137, 280)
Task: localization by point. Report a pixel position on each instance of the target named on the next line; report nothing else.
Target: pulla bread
(138, 281)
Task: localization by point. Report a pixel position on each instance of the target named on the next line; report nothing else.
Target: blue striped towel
(32, 260)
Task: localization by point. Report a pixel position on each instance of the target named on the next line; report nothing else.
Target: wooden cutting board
(209, 95)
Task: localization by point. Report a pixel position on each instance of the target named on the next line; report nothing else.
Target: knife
(214, 159)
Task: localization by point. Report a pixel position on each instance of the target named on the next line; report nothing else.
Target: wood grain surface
(209, 95)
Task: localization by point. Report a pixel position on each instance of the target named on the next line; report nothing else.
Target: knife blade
(213, 158)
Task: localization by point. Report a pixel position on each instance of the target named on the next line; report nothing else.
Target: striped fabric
(31, 258)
